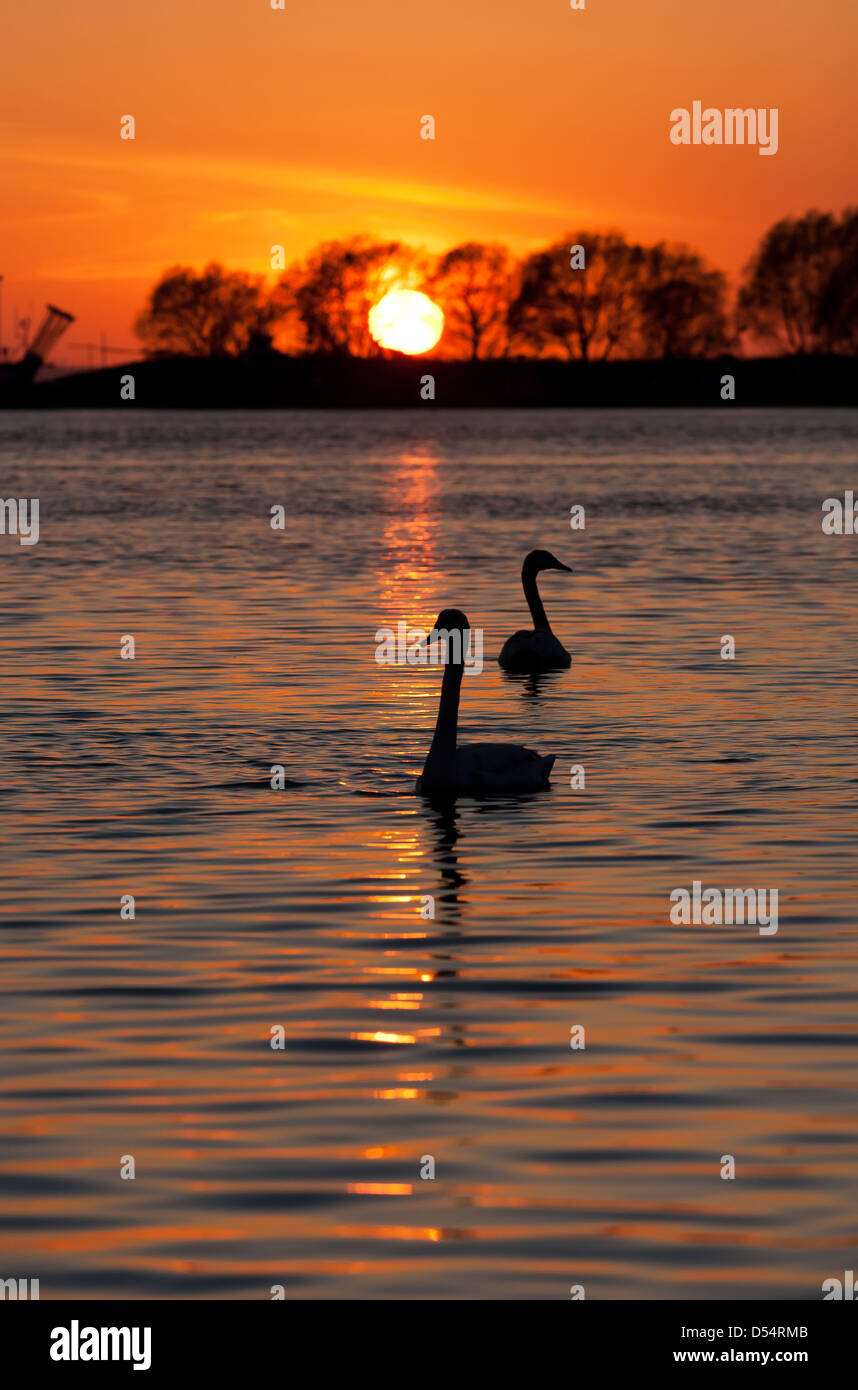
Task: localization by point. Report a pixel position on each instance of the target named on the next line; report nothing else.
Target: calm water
(302, 907)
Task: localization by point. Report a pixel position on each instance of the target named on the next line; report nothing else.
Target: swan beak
(567, 568)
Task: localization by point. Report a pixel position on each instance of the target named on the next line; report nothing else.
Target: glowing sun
(407, 321)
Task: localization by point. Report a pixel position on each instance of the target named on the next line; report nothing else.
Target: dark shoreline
(271, 380)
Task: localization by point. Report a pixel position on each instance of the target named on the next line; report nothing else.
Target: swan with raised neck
(536, 648)
(452, 769)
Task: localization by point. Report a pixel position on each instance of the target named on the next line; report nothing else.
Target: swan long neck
(534, 602)
(443, 745)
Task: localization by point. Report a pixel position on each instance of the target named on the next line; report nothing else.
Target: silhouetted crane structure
(17, 376)
(49, 332)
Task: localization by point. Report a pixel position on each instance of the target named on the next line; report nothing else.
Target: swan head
(451, 627)
(542, 560)
(451, 620)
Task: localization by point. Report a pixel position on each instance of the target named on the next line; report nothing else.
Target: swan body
(536, 648)
(530, 650)
(476, 769)
(489, 769)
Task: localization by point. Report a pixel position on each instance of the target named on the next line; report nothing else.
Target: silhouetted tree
(213, 314)
(591, 296)
(682, 303)
(589, 311)
(333, 290)
(838, 307)
(799, 290)
(473, 285)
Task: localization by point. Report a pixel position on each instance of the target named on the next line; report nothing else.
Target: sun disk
(407, 321)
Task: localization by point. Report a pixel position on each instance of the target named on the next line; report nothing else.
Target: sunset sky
(257, 126)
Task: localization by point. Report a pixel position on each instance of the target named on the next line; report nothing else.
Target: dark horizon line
(270, 380)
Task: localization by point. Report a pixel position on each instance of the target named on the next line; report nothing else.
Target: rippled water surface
(300, 907)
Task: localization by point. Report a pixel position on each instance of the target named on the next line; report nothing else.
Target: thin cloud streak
(296, 178)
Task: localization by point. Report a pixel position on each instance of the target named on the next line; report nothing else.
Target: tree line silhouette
(591, 297)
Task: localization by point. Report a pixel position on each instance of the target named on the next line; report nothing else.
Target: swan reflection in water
(532, 685)
(445, 832)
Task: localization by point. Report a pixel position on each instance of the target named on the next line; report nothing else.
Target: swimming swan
(537, 649)
(476, 769)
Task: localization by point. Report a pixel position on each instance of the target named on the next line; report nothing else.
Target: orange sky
(258, 126)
